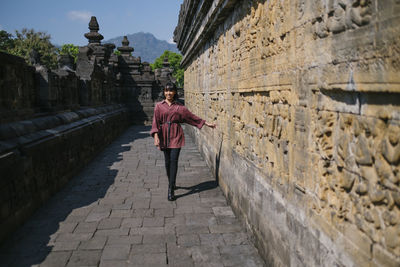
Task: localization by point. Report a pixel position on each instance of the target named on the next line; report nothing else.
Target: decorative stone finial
(166, 63)
(125, 41)
(93, 36)
(125, 49)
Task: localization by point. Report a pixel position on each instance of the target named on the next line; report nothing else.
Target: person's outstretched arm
(211, 125)
(193, 120)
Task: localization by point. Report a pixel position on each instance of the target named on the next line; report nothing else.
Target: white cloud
(171, 41)
(83, 16)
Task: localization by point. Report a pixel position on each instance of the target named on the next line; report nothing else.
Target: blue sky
(67, 21)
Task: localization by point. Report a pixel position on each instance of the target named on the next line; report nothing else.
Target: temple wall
(50, 127)
(306, 96)
(39, 156)
(17, 88)
(54, 121)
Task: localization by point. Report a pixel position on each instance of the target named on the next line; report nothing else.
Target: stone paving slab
(116, 213)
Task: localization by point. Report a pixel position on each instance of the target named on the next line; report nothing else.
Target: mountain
(146, 46)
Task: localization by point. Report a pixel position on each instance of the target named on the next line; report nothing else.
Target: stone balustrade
(53, 122)
(39, 156)
(17, 88)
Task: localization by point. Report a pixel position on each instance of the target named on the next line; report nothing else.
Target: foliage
(28, 40)
(175, 60)
(117, 52)
(179, 75)
(70, 49)
(6, 41)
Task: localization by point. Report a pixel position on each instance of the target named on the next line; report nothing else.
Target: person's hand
(156, 141)
(211, 125)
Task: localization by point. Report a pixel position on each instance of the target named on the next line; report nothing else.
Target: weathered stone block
(306, 99)
(48, 151)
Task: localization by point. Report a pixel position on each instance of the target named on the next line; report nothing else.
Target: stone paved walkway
(116, 213)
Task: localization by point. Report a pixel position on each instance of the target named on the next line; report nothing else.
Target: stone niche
(306, 97)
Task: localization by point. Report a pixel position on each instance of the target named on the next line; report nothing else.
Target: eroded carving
(307, 94)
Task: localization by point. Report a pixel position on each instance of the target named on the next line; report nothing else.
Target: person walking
(168, 133)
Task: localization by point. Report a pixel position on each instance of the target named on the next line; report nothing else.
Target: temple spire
(166, 63)
(93, 36)
(125, 49)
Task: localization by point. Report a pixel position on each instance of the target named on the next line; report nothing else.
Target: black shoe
(171, 196)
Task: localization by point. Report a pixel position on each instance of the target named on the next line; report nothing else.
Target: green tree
(6, 41)
(175, 62)
(28, 40)
(70, 49)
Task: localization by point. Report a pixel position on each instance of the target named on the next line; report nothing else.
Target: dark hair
(170, 87)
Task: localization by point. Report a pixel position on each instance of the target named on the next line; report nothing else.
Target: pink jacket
(166, 122)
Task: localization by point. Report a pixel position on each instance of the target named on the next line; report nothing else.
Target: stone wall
(39, 156)
(48, 132)
(306, 97)
(52, 122)
(17, 88)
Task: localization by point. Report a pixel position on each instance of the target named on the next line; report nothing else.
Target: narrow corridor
(116, 213)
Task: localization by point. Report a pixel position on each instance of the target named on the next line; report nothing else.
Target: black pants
(171, 156)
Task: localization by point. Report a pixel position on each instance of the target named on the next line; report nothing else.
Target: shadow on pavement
(33, 241)
(197, 188)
